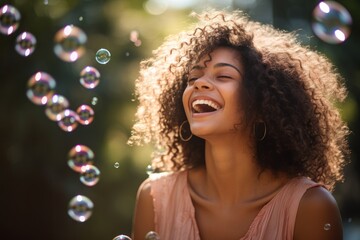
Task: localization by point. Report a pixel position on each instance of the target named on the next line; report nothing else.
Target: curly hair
(290, 87)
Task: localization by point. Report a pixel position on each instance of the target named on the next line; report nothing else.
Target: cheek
(185, 99)
(236, 108)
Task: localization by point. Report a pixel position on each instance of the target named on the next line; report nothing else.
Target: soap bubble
(331, 22)
(80, 208)
(40, 88)
(94, 101)
(152, 236)
(149, 169)
(89, 175)
(9, 19)
(103, 56)
(89, 77)
(86, 114)
(122, 237)
(25, 44)
(117, 165)
(56, 105)
(69, 43)
(80, 156)
(68, 120)
(327, 226)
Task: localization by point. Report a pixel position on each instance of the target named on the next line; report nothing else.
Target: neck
(232, 174)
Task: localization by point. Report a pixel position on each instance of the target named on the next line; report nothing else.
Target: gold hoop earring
(181, 132)
(258, 136)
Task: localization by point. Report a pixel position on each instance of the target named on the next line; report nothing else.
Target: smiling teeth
(207, 102)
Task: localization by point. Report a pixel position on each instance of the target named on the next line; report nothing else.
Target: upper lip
(213, 102)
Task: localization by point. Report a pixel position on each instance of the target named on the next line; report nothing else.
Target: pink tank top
(175, 213)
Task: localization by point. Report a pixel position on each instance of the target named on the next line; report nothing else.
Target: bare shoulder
(144, 189)
(143, 221)
(318, 216)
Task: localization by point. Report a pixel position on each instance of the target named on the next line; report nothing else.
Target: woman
(248, 140)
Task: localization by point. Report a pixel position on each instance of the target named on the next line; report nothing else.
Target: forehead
(221, 55)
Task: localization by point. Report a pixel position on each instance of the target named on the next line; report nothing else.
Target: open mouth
(204, 106)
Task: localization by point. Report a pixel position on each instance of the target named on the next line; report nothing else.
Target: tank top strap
(276, 220)
(172, 206)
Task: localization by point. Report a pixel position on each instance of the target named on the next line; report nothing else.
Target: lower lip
(198, 115)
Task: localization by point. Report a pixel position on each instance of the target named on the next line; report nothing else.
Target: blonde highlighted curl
(291, 87)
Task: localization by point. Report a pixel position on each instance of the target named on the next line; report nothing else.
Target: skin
(228, 194)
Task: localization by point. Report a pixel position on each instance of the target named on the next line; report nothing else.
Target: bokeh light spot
(156, 7)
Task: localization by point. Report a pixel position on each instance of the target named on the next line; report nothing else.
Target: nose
(203, 84)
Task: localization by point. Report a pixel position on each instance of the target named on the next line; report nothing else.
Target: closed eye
(192, 80)
(225, 76)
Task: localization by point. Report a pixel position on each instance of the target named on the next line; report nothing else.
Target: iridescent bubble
(122, 237)
(40, 88)
(25, 44)
(149, 170)
(68, 120)
(86, 114)
(56, 105)
(89, 77)
(80, 156)
(331, 22)
(103, 56)
(89, 175)
(152, 236)
(327, 226)
(9, 19)
(94, 101)
(80, 208)
(69, 43)
(117, 165)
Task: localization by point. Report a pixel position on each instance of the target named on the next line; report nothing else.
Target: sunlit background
(67, 71)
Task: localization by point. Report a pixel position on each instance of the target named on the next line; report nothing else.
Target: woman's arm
(318, 217)
(143, 221)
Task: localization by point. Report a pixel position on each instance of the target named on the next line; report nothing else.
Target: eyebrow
(227, 65)
(198, 67)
